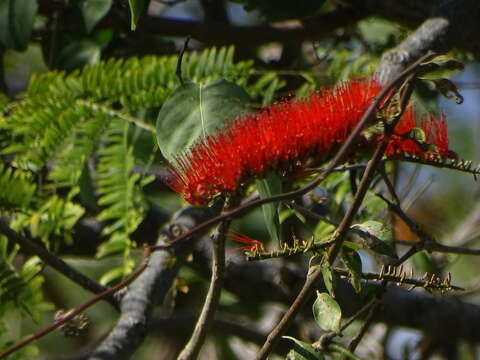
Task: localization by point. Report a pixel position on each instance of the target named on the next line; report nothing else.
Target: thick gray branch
(450, 24)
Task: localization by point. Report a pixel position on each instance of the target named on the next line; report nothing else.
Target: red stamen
(253, 245)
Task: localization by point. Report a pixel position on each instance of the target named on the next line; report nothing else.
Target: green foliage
(52, 220)
(17, 187)
(93, 11)
(74, 134)
(119, 190)
(16, 22)
(20, 294)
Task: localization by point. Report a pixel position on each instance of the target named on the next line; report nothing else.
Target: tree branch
(55, 262)
(147, 290)
(192, 348)
(450, 24)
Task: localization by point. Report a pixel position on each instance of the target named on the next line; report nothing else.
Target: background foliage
(84, 100)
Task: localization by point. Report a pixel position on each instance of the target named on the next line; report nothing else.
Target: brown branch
(71, 314)
(192, 348)
(222, 325)
(218, 33)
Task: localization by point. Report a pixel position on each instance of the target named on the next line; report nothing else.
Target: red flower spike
(435, 133)
(285, 134)
(253, 245)
(275, 138)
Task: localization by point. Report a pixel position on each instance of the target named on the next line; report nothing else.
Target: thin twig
(192, 348)
(401, 279)
(366, 325)
(71, 314)
(357, 315)
(287, 252)
(55, 262)
(178, 70)
(432, 246)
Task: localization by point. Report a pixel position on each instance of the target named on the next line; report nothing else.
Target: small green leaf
(16, 22)
(353, 262)
(112, 275)
(327, 312)
(323, 230)
(442, 66)
(93, 11)
(267, 187)
(78, 54)
(328, 277)
(286, 213)
(334, 347)
(136, 8)
(195, 110)
(302, 350)
(376, 237)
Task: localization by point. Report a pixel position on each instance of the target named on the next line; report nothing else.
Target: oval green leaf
(327, 313)
(376, 237)
(195, 110)
(93, 11)
(16, 22)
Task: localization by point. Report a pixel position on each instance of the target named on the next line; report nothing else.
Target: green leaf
(286, 213)
(302, 350)
(93, 11)
(441, 66)
(327, 312)
(195, 110)
(328, 277)
(376, 237)
(323, 230)
(78, 54)
(342, 350)
(267, 187)
(16, 22)
(422, 262)
(136, 8)
(353, 262)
